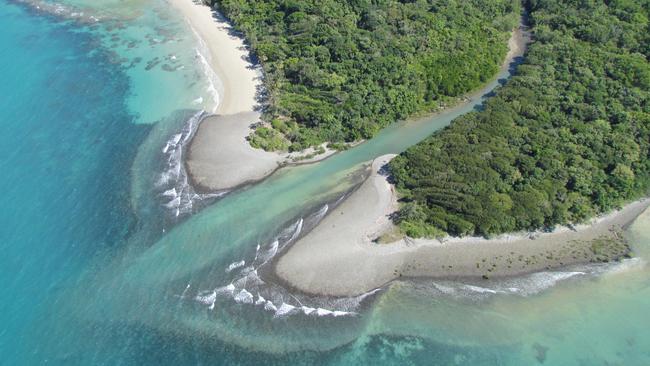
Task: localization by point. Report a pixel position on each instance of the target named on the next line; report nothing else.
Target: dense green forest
(566, 138)
(338, 71)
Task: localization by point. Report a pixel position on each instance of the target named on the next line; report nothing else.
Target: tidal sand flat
(220, 158)
(342, 256)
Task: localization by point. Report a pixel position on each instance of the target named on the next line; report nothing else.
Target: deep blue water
(66, 148)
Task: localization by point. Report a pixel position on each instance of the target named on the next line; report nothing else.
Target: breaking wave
(214, 83)
(179, 197)
(527, 285)
(249, 289)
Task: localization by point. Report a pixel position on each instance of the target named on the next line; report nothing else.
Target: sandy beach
(219, 156)
(227, 56)
(340, 257)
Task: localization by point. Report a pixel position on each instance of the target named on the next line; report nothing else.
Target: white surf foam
(170, 192)
(540, 281)
(297, 231)
(284, 310)
(262, 258)
(527, 285)
(207, 299)
(260, 300)
(337, 313)
(274, 248)
(203, 55)
(173, 180)
(229, 289)
(244, 297)
(323, 312)
(482, 290)
(444, 289)
(174, 203)
(235, 265)
(321, 213)
(270, 307)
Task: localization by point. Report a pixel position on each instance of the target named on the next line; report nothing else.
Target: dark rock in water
(152, 63)
(540, 352)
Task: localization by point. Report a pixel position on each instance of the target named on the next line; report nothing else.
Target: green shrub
(268, 139)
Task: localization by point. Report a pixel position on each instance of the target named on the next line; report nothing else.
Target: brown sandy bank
(340, 258)
(219, 157)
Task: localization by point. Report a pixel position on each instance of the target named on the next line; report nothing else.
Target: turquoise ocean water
(108, 258)
(67, 145)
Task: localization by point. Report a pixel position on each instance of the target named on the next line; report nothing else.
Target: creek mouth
(393, 139)
(192, 280)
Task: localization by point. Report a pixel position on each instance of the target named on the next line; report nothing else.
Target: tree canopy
(566, 138)
(339, 71)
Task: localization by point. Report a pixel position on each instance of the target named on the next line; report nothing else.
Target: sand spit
(340, 257)
(220, 158)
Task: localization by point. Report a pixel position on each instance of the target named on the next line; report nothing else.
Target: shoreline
(239, 79)
(340, 256)
(219, 157)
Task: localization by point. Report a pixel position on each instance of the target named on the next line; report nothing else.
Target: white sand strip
(339, 257)
(226, 54)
